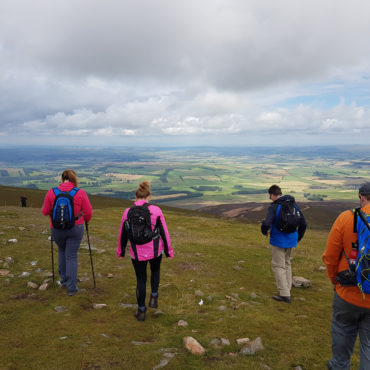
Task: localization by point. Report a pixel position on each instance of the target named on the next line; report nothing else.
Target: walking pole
(52, 256)
(88, 242)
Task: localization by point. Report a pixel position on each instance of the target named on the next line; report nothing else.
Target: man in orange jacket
(351, 309)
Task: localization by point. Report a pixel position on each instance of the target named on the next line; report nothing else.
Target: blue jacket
(278, 238)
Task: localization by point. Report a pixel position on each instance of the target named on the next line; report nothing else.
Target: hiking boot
(140, 315)
(73, 292)
(153, 303)
(282, 299)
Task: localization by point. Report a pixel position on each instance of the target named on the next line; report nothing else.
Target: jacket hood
(285, 199)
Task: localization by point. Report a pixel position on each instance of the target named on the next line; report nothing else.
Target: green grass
(223, 259)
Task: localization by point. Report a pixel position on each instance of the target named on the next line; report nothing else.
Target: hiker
(351, 307)
(285, 231)
(146, 245)
(23, 201)
(68, 236)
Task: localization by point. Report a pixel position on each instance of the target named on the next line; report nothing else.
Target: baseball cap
(364, 189)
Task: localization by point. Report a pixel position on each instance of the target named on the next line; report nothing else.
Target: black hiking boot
(153, 303)
(282, 299)
(140, 315)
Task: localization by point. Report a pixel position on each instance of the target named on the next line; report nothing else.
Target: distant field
(193, 178)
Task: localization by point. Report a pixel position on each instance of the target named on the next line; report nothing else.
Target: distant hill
(319, 215)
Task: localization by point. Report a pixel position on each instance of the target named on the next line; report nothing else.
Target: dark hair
(275, 190)
(71, 176)
(143, 191)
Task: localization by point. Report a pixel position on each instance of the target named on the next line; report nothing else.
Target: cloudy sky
(175, 72)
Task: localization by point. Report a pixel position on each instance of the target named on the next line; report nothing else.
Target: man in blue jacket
(282, 242)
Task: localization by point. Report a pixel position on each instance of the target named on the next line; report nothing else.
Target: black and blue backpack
(362, 228)
(62, 216)
(288, 217)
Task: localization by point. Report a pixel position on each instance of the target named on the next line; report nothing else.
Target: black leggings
(141, 277)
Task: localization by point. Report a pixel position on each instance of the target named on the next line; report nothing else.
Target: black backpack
(138, 225)
(62, 216)
(288, 217)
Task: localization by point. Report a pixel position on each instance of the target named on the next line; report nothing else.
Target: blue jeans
(68, 242)
(348, 322)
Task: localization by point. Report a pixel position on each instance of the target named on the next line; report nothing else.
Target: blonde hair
(143, 191)
(71, 176)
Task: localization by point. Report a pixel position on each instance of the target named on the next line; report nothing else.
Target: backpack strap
(355, 214)
(363, 218)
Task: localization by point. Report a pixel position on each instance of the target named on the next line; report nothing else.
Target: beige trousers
(282, 269)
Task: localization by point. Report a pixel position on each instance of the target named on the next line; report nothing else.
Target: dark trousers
(68, 242)
(348, 322)
(141, 277)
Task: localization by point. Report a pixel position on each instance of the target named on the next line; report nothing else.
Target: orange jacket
(342, 236)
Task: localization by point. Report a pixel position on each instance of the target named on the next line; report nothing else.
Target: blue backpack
(362, 228)
(62, 216)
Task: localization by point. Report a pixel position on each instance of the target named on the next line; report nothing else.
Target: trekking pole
(88, 242)
(52, 256)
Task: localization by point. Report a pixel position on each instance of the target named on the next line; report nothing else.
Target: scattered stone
(82, 279)
(194, 346)
(198, 254)
(242, 341)
(162, 363)
(301, 316)
(21, 228)
(60, 309)
(235, 295)
(98, 306)
(322, 268)
(24, 274)
(32, 285)
(241, 304)
(301, 299)
(49, 238)
(267, 367)
(225, 342)
(110, 276)
(100, 275)
(200, 302)
(297, 368)
(34, 263)
(138, 343)
(182, 323)
(158, 313)
(252, 347)
(199, 293)
(299, 281)
(105, 335)
(13, 241)
(4, 272)
(128, 305)
(210, 298)
(9, 260)
(237, 268)
(222, 308)
(215, 342)
(63, 338)
(44, 286)
(241, 261)
(253, 295)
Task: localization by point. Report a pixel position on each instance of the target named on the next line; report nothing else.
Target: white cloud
(196, 68)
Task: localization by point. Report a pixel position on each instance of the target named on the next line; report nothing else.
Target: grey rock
(215, 342)
(24, 274)
(162, 363)
(299, 281)
(252, 347)
(34, 263)
(225, 342)
(222, 308)
(4, 272)
(105, 335)
(98, 306)
(253, 295)
(199, 293)
(128, 305)
(158, 313)
(182, 323)
(9, 260)
(241, 341)
(60, 309)
(12, 241)
(63, 338)
(32, 285)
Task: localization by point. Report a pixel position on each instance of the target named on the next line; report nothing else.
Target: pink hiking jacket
(146, 251)
(81, 203)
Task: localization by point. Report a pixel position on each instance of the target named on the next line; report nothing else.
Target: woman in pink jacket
(69, 240)
(150, 251)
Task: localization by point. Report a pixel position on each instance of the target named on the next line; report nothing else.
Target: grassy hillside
(224, 263)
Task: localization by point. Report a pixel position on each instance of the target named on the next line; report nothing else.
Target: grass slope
(226, 260)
